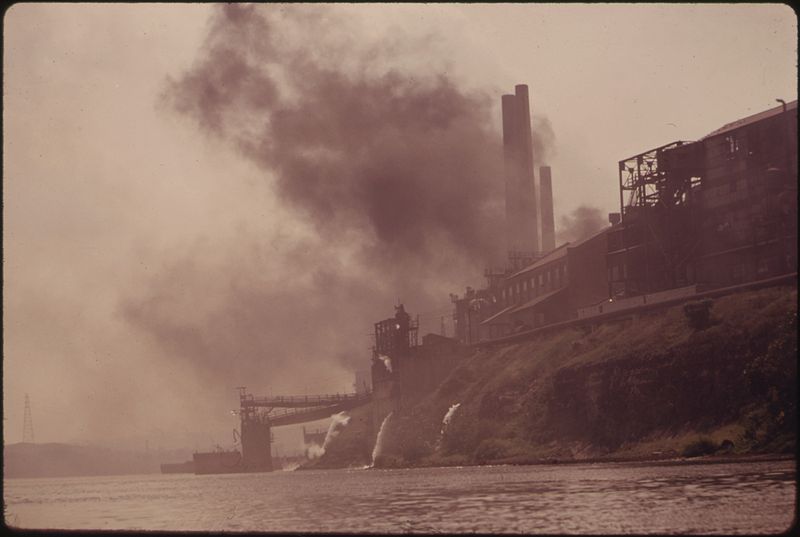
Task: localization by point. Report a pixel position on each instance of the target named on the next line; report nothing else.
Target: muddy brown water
(743, 498)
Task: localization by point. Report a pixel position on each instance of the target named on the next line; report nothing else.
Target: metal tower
(27, 427)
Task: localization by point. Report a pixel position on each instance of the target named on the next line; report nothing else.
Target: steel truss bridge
(293, 409)
(259, 414)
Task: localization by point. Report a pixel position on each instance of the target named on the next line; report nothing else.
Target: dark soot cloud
(407, 157)
(397, 169)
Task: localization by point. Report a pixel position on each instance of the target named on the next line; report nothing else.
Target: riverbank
(640, 390)
(632, 461)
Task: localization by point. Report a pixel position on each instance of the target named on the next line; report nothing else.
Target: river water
(747, 498)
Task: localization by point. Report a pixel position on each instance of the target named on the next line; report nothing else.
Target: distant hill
(65, 460)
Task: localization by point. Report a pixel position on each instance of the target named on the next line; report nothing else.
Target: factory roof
(589, 237)
(538, 300)
(499, 313)
(558, 253)
(751, 119)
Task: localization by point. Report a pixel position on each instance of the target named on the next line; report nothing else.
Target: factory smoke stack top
(521, 206)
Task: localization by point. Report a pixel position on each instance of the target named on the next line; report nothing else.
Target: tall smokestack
(521, 206)
(529, 236)
(511, 163)
(546, 201)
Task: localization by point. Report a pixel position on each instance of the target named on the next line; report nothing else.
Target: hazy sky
(154, 260)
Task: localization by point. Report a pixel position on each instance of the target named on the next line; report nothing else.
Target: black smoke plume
(407, 159)
(580, 223)
(396, 166)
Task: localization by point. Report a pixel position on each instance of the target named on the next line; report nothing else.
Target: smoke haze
(580, 223)
(403, 159)
(200, 197)
(395, 168)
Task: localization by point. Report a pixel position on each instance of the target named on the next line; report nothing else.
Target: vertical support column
(256, 444)
(255, 436)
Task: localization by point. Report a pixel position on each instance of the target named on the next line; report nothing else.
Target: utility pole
(27, 426)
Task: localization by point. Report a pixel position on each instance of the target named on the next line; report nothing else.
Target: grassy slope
(649, 387)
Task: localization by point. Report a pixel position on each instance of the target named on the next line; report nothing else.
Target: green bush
(772, 379)
(701, 446)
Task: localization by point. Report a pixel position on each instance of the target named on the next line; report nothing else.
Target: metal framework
(660, 175)
(656, 190)
(395, 335)
(258, 415)
(296, 408)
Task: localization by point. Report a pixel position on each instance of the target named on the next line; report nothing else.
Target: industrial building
(532, 288)
(551, 289)
(402, 369)
(716, 212)
(694, 216)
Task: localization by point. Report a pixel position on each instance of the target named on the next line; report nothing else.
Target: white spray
(445, 422)
(379, 441)
(315, 451)
(387, 362)
(338, 421)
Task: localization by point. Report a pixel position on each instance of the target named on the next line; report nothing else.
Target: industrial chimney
(521, 207)
(546, 201)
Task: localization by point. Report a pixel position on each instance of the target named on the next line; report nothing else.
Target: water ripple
(592, 498)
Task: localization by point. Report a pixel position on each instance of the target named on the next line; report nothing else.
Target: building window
(541, 279)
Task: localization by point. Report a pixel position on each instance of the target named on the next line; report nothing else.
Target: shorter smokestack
(614, 218)
(546, 209)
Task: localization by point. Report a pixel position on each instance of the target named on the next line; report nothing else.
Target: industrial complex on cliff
(694, 216)
(696, 219)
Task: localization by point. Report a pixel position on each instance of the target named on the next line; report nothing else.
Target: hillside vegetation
(663, 385)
